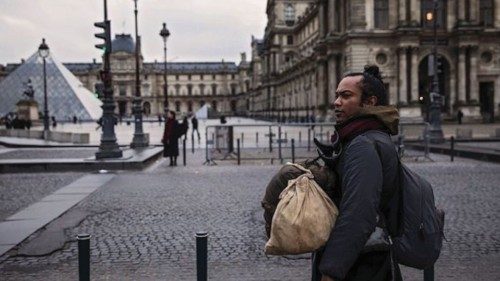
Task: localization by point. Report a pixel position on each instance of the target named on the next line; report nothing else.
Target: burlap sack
(303, 219)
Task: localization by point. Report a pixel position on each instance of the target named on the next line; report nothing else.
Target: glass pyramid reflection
(66, 96)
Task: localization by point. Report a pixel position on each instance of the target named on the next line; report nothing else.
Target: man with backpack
(367, 168)
(386, 212)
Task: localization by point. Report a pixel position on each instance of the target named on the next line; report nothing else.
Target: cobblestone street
(143, 226)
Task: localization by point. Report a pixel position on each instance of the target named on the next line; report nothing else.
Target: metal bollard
(201, 256)
(293, 150)
(192, 143)
(242, 139)
(83, 256)
(300, 137)
(279, 145)
(238, 150)
(308, 139)
(184, 152)
(270, 140)
(257, 139)
(429, 274)
(452, 151)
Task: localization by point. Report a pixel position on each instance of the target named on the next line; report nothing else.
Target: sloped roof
(123, 43)
(66, 96)
(193, 67)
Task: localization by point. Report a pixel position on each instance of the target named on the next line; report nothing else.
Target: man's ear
(371, 101)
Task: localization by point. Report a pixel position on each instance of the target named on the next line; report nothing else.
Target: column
(331, 16)
(474, 84)
(415, 11)
(332, 78)
(322, 18)
(414, 74)
(461, 10)
(402, 76)
(370, 14)
(474, 10)
(322, 83)
(496, 14)
(461, 74)
(402, 10)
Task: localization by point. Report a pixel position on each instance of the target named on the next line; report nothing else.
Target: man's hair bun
(373, 70)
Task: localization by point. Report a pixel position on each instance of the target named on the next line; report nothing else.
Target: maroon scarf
(354, 127)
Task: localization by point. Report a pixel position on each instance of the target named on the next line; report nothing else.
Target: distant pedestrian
(194, 122)
(223, 119)
(75, 119)
(54, 122)
(184, 127)
(160, 119)
(170, 138)
(460, 115)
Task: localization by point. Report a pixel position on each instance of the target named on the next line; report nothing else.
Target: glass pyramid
(66, 96)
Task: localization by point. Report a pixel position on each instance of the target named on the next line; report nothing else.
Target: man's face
(348, 98)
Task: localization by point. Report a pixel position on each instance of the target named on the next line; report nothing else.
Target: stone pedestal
(411, 113)
(472, 113)
(27, 110)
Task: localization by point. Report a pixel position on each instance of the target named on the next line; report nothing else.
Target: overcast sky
(201, 30)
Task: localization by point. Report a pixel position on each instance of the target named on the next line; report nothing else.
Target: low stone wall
(52, 135)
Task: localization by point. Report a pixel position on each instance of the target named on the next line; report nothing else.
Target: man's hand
(326, 278)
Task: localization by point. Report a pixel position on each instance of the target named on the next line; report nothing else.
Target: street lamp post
(43, 52)
(139, 139)
(108, 148)
(436, 99)
(164, 33)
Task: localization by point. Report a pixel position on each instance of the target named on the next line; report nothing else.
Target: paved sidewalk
(143, 226)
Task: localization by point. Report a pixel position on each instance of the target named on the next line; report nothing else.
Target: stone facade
(190, 84)
(299, 62)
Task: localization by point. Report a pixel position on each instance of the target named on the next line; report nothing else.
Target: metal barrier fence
(274, 141)
(280, 142)
(411, 133)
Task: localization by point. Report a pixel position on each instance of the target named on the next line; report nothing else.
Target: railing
(421, 130)
(272, 142)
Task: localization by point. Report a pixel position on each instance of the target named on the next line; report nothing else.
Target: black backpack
(420, 236)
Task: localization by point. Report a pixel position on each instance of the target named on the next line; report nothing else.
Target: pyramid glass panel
(66, 96)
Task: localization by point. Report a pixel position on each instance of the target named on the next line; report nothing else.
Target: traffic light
(439, 62)
(106, 35)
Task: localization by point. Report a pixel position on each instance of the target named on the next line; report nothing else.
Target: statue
(27, 107)
(28, 91)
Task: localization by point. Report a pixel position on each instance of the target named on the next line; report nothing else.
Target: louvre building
(308, 45)
(190, 84)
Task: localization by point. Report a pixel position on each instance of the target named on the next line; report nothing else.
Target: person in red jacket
(170, 138)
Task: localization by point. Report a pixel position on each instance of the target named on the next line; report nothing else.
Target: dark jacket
(368, 170)
(170, 138)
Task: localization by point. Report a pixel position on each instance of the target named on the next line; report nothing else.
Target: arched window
(190, 106)
(214, 105)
